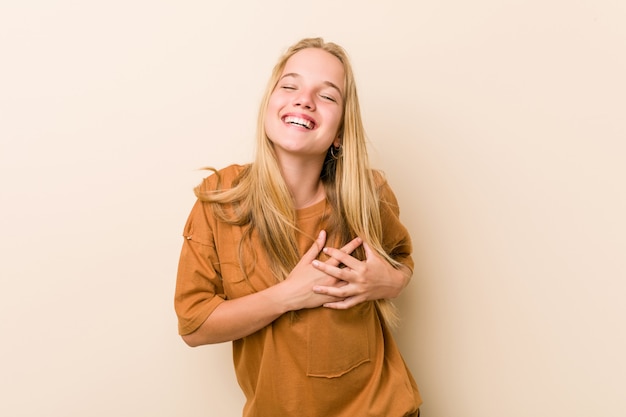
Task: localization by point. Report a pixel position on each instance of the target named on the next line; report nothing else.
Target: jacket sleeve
(396, 238)
(199, 288)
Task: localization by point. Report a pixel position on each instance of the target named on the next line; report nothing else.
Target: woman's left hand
(371, 279)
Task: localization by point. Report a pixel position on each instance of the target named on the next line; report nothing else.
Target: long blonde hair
(264, 204)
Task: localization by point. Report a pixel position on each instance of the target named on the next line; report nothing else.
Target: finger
(368, 250)
(316, 247)
(341, 257)
(352, 245)
(346, 249)
(341, 291)
(344, 304)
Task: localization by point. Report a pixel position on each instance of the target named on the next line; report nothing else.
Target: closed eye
(329, 98)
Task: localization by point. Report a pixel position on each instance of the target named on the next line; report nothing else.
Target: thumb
(315, 248)
(368, 251)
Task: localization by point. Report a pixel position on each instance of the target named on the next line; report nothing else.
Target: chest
(244, 264)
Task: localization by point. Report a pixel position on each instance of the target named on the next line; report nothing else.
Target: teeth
(299, 122)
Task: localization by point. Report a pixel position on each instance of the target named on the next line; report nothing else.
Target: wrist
(279, 298)
(403, 277)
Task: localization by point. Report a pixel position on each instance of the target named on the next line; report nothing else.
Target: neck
(304, 183)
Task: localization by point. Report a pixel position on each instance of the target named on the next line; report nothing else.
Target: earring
(336, 152)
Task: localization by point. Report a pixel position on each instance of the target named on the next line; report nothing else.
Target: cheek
(272, 110)
(271, 122)
(276, 100)
(337, 118)
(269, 125)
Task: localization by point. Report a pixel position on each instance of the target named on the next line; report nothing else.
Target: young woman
(294, 257)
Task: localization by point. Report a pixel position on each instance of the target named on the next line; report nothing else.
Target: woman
(294, 256)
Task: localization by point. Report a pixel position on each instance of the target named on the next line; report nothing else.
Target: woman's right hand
(298, 286)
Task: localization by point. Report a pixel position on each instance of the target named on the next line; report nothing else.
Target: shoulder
(383, 190)
(203, 216)
(384, 193)
(222, 179)
(380, 180)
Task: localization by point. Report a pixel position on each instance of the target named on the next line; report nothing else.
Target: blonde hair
(262, 202)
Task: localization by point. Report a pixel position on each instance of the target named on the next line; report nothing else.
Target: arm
(240, 317)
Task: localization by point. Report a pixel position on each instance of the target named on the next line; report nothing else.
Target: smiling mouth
(298, 121)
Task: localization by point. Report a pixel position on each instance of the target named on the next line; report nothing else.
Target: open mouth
(298, 121)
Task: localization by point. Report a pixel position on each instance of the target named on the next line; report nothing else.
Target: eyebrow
(328, 83)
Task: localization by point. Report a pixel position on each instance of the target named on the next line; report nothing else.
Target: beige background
(501, 126)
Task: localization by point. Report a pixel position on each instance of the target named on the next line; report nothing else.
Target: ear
(339, 138)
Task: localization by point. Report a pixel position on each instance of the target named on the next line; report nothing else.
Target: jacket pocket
(338, 340)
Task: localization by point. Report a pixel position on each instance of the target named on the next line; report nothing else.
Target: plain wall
(500, 125)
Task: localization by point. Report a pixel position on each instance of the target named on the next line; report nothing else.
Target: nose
(304, 99)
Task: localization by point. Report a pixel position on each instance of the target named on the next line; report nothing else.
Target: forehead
(316, 65)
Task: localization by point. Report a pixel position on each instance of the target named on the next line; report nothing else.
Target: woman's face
(306, 107)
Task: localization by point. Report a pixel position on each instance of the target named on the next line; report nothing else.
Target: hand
(301, 280)
(371, 279)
